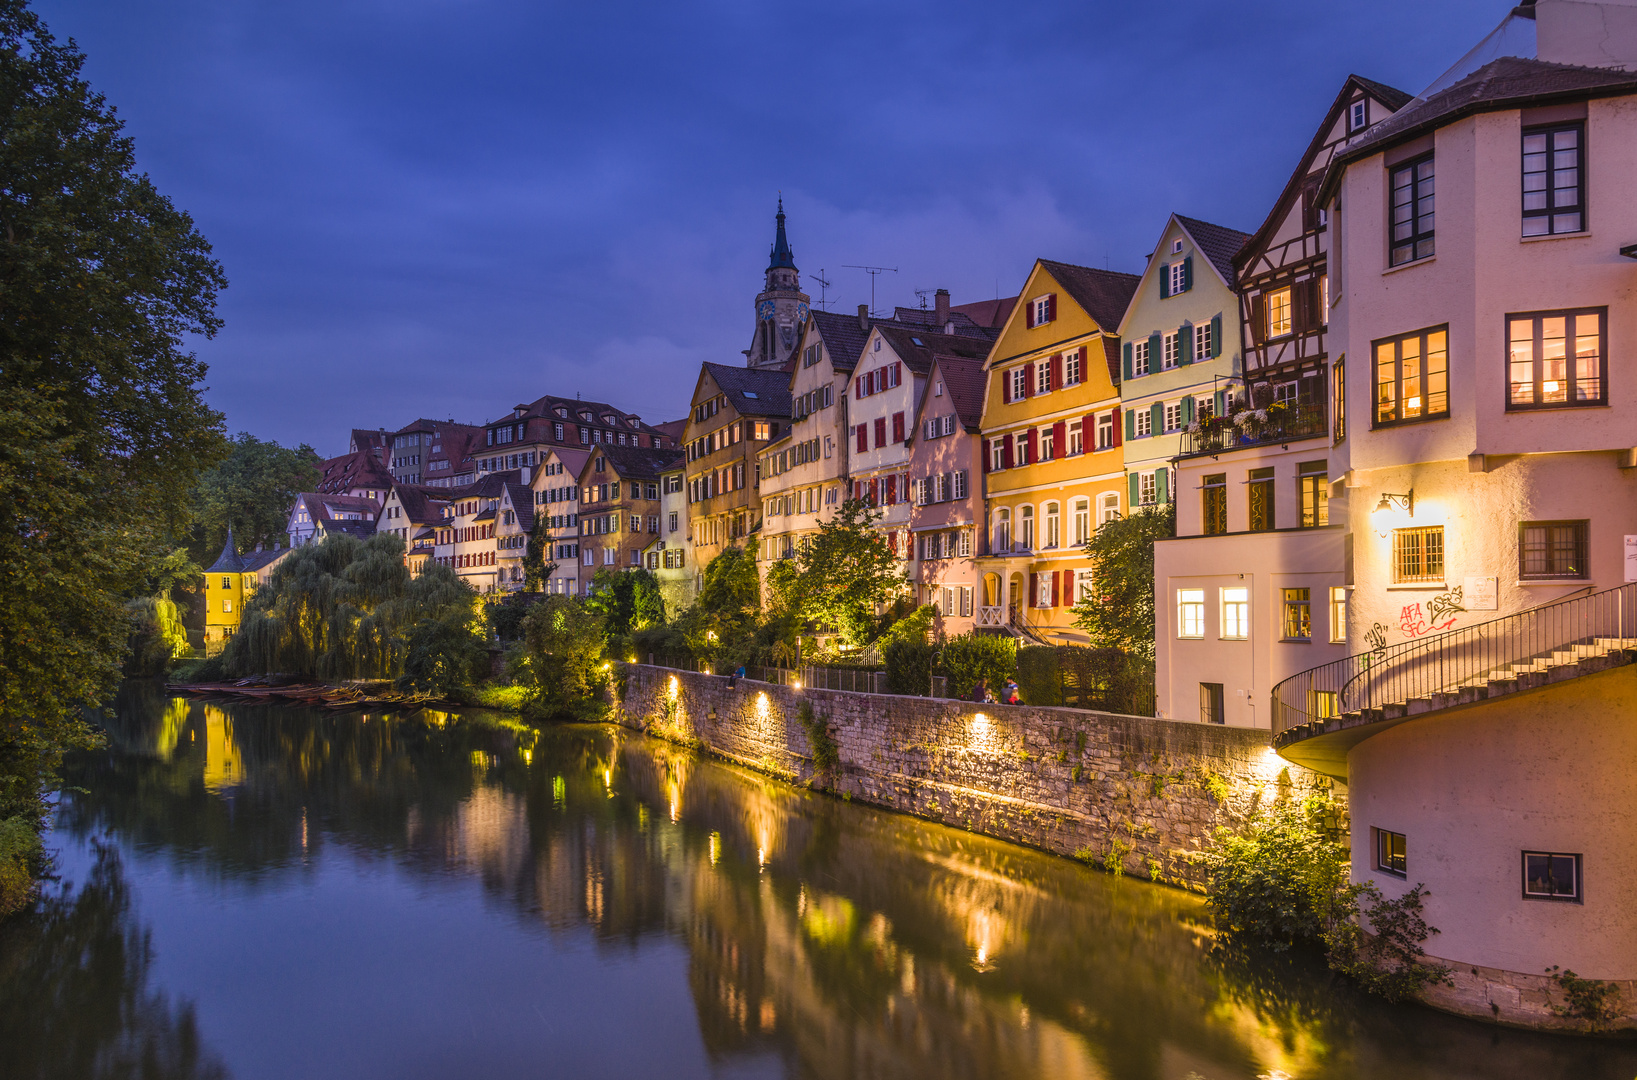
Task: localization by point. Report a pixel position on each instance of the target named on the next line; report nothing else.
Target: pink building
(946, 473)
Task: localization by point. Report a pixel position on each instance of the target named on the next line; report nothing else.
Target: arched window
(1054, 533)
(1108, 507)
(1003, 530)
(1082, 521)
(1025, 527)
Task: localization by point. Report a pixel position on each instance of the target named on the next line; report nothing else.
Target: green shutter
(1221, 403)
(1185, 344)
(1187, 273)
(1156, 418)
(1165, 281)
(1128, 374)
(1136, 498)
(1187, 410)
(1161, 489)
(1156, 357)
(1130, 424)
(1216, 334)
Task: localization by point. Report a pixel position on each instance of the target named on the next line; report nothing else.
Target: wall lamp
(1390, 502)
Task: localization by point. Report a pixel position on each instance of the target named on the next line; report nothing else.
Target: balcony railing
(991, 616)
(1255, 427)
(1530, 641)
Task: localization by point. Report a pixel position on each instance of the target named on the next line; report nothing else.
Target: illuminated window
(1313, 490)
(1338, 614)
(1418, 555)
(1554, 180)
(1556, 359)
(1190, 613)
(1412, 376)
(1236, 613)
(1552, 549)
(1390, 852)
(1551, 876)
(1260, 493)
(1278, 312)
(1298, 622)
(1411, 227)
(1215, 504)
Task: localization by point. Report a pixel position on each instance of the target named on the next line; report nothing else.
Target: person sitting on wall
(738, 673)
(980, 692)
(1009, 694)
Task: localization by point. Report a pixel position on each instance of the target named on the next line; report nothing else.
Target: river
(272, 892)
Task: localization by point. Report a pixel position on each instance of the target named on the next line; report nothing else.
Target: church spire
(781, 258)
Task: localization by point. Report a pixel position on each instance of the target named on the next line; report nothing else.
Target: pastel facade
(413, 513)
(466, 538)
(1051, 377)
(229, 582)
(667, 556)
(620, 507)
(556, 486)
(315, 515)
(737, 412)
(946, 486)
(514, 520)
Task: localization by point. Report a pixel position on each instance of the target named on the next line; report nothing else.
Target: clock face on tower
(801, 312)
(764, 310)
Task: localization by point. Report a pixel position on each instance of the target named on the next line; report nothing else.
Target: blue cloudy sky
(444, 207)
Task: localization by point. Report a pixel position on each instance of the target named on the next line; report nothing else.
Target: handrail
(1562, 631)
(1214, 435)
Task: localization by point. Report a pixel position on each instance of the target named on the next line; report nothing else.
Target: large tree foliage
(103, 431)
(250, 489)
(627, 600)
(845, 572)
(538, 564)
(563, 639)
(349, 609)
(1119, 613)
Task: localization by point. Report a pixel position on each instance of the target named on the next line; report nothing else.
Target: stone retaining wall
(1135, 793)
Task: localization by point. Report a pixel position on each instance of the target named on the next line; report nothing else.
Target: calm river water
(254, 891)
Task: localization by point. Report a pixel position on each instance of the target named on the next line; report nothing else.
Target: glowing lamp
(1390, 502)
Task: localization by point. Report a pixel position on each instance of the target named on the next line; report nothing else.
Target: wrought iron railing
(1533, 640)
(1275, 424)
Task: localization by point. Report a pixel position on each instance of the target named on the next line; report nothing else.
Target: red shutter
(863, 439)
(1119, 432)
(897, 373)
(983, 451)
(1034, 446)
(897, 427)
(1028, 380)
(1057, 593)
(1085, 374)
(1006, 386)
(1056, 376)
(1060, 438)
(1051, 307)
(1006, 451)
(880, 431)
(1028, 315)
(892, 490)
(1088, 433)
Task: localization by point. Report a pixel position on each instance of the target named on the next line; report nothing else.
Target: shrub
(505, 617)
(1282, 881)
(1037, 675)
(441, 658)
(1593, 1000)
(909, 667)
(971, 657)
(564, 642)
(199, 671)
(1388, 961)
(20, 856)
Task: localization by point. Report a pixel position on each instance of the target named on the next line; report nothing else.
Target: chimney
(863, 316)
(940, 306)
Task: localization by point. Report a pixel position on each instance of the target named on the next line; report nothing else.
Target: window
(1260, 490)
(1338, 614)
(1077, 442)
(1313, 493)
(1143, 422)
(227, 606)
(1556, 358)
(1003, 530)
(1298, 614)
(1108, 507)
(1048, 444)
(1042, 309)
(1025, 526)
(1176, 246)
(1173, 416)
(1411, 226)
(1554, 180)
(1071, 368)
(1105, 431)
(1179, 275)
(1215, 504)
(1236, 613)
(1390, 855)
(1043, 377)
(1020, 382)
(1412, 376)
(1418, 555)
(1020, 448)
(1202, 340)
(1358, 115)
(1082, 521)
(1147, 489)
(1169, 351)
(1551, 876)
(1140, 357)
(1278, 309)
(672, 522)
(1552, 549)
(997, 455)
(1053, 534)
(1190, 613)
(227, 582)
(1210, 703)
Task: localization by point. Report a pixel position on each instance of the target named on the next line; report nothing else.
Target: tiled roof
(1390, 96)
(548, 405)
(1217, 243)
(421, 503)
(917, 346)
(258, 560)
(1507, 83)
(640, 463)
(365, 468)
(522, 497)
(1111, 353)
(673, 430)
(1102, 294)
(989, 313)
(365, 438)
(963, 381)
(753, 391)
(843, 338)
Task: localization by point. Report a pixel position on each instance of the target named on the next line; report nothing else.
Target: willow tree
(103, 430)
(349, 609)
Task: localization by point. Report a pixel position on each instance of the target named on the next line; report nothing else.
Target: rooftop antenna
(874, 272)
(824, 304)
(922, 293)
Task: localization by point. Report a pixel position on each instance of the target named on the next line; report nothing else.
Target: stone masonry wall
(1134, 793)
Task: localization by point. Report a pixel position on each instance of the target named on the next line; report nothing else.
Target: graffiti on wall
(1440, 614)
(1377, 637)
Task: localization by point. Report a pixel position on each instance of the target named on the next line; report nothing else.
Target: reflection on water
(437, 895)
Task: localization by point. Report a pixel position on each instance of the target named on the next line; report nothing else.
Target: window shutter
(1057, 576)
(1088, 433)
(1128, 374)
(1156, 353)
(1060, 438)
(1258, 319)
(1085, 373)
(961, 490)
(863, 438)
(1187, 273)
(1118, 439)
(1136, 497)
(1165, 282)
(1034, 446)
(1221, 403)
(1051, 307)
(1006, 451)
(1187, 410)
(1216, 334)
(1056, 373)
(1156, 418)
(1161, 491)
(1028, 314)
(1185, 344)
(1130, 425)
(1028, 380)
(1298, 308)
(897, 373)
(986, 451)
(858, 387)
(1006, 387)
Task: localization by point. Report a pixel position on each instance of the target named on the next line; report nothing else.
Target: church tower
(781, 307)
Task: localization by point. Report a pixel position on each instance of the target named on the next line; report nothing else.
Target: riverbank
(1135, 795)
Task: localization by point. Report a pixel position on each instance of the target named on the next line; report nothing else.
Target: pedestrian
(1009, 694)
(980, 692)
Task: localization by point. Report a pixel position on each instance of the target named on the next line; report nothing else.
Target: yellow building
(1051, 446)
(228, 584)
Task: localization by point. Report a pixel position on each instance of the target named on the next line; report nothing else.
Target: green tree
(251, 489)
(103, 431)
(538, 565)
(1119, 613)
(627, 600)
(846, 572)
(564, 643)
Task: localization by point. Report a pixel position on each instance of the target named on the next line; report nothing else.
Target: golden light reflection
(170, 731)
(223, 766)
(715, 848)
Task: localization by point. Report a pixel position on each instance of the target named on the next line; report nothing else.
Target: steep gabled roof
(641, 463)
(843, 338)
(1217, 243)
(917, 346)
(988, 313)
(1102, 294)
(673, 430)
(522, 500)
(364, 468)
(963, 383)
(421, 503)
(753, 391)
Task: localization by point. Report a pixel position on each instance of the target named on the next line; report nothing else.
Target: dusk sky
(445, 207)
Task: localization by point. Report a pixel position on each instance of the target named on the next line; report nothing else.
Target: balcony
(1278, 423)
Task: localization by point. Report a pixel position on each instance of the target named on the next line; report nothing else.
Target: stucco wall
(1065, 780)
(1471, 790)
